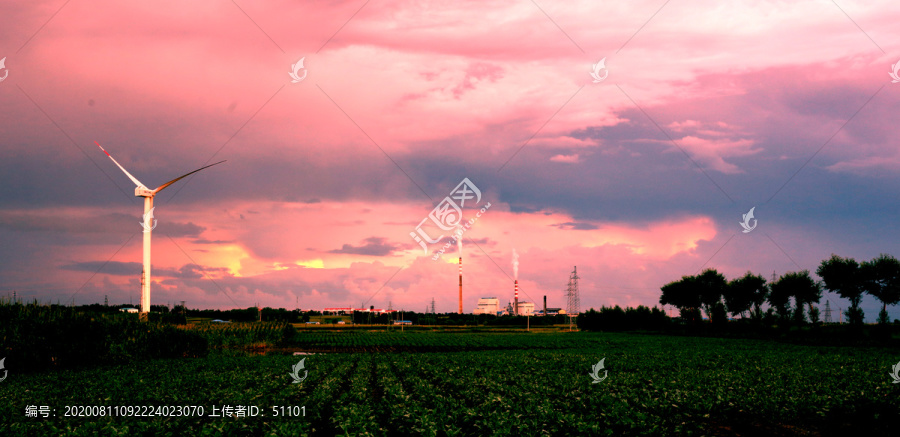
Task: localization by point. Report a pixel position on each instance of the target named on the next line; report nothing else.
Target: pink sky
(325, 177)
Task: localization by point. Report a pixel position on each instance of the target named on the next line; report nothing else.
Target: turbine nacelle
(143, 192)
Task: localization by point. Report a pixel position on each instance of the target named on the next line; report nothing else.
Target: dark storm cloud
(111, 223)
(110, 268)
(205, 241)
(117, 268)
(575, 226)
(374, 246)
(33, 222)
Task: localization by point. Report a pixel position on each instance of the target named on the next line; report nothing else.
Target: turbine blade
(161, 187)
(133, 179)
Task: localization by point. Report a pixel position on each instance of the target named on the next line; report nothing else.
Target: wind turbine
(142, 191)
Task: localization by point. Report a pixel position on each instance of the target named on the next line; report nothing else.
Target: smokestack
(516, 305)
(545, 305)
(460, 284)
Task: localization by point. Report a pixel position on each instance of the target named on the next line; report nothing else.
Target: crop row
(244, 334)
(431, 341)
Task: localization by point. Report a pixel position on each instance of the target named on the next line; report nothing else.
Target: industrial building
(550, 312)
(350, 310)
(525, 309)
(487, 305)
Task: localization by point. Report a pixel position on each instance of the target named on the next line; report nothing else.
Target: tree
(780, 298)
(805, 290)
(746, 294)
(681, 294)
(843, 277)
(711, 286)
(798, 285)
(813, 315)
(881, 279)
(693, 292)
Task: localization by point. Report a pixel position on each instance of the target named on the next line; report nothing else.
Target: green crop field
(475, 384)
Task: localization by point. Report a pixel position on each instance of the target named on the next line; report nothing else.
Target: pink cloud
(568, 159)
(712, 153)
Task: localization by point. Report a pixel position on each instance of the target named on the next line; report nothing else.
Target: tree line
(717, 297)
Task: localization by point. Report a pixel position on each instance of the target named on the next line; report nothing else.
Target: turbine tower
(141, 190)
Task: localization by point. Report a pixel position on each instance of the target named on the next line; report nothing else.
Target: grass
(452, 384)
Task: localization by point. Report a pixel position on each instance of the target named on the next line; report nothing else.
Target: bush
(617, 319)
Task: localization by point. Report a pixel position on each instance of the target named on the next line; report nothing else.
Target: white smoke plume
(515, 262)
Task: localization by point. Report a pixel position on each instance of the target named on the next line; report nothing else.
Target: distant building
(337, 310)
(349, 310)
(525, 309)
(487, 305)
(402, 322)
(128, 310)
(550, 312)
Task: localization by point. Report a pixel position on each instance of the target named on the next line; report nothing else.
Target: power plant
(516, 304)
(516, 308)
(491, 305)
